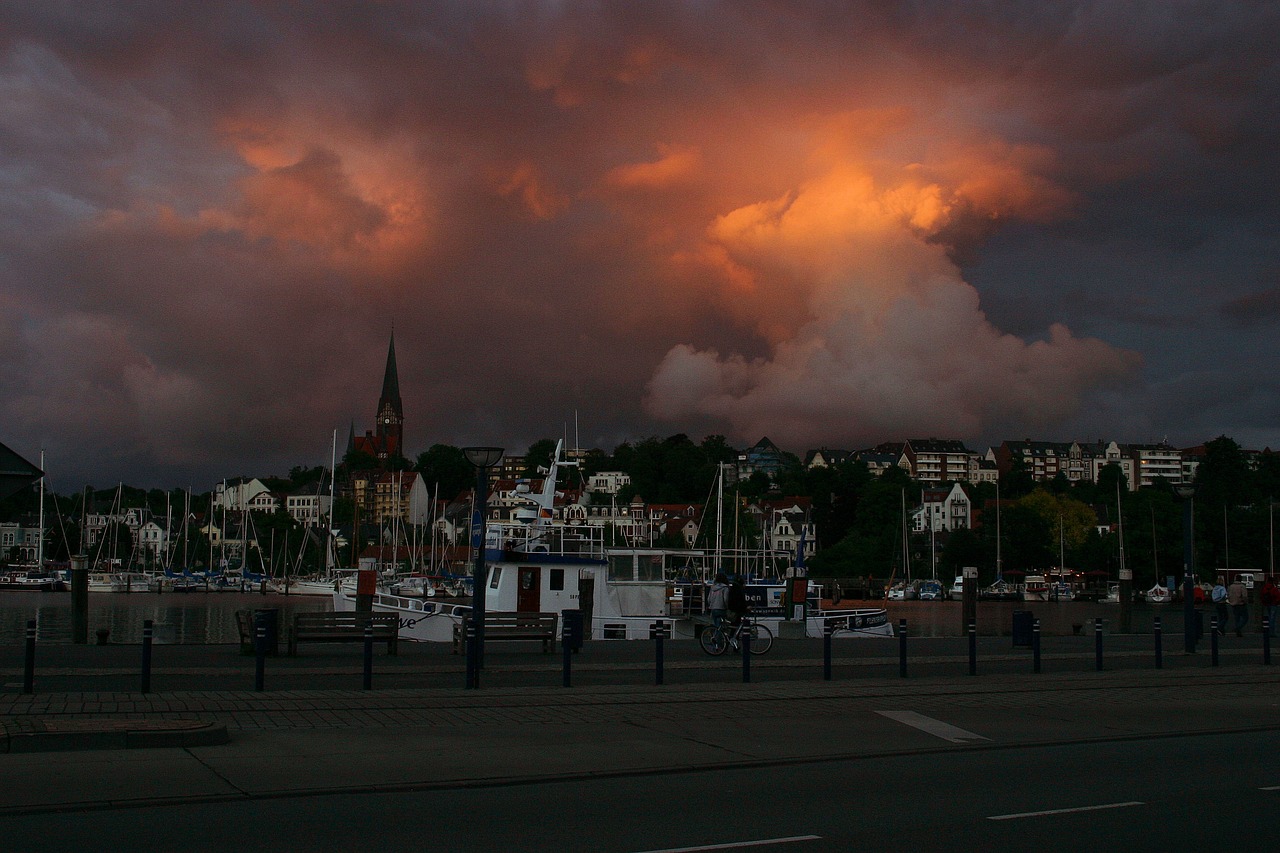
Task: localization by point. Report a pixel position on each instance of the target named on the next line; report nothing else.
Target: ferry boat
(536, 564)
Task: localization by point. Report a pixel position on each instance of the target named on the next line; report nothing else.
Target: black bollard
(902, 648)
(1155, 630)
(973, 647)
(148, 631)
(657, 632)
(1097, 643)
(746, 654)
(566, 644)
(1035, 646)
(260, 653)
(828, 630)
(1213, 644)
(473, 668)
(368, 656)
(1266, 641)
(29, 669)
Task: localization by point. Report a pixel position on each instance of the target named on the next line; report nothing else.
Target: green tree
(538, 457)
(445, 469)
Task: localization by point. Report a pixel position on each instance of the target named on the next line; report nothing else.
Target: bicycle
(717, 639)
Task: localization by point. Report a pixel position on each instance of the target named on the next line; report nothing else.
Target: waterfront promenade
(204, 734)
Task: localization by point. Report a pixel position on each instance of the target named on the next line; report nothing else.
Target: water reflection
(179, 617)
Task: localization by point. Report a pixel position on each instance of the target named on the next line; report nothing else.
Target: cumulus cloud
(891, 338)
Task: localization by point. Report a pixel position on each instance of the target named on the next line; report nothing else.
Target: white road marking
(1272, 788)
(1065, 811)
(736, 844)
(937, 728)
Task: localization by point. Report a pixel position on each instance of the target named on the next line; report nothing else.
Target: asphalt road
(1193, 792)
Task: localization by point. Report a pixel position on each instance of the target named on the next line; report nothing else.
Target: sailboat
(904, 589)
(1158, 593)
(1001, 590)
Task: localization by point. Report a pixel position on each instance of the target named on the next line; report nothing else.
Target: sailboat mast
(999, 563)
(328, 527)
(1120, 530)
(720, 518)
(40, 538)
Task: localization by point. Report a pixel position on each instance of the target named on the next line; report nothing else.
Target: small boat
(1061, 591)
(1001, 590)
(956, 592)
(1159, 594)
(1035, 588)
(28, 582)
(931, 591)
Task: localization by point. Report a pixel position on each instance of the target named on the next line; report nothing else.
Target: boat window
(650, 568)
(621, 567)
(556, 579)
(495, 577)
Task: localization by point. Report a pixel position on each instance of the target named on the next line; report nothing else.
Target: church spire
(390, 417)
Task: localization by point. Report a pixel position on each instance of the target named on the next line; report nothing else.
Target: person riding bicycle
(718, 599)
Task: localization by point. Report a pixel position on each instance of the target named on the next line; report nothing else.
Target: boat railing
(584, 541)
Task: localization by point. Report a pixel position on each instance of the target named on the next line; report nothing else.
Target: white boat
(1159, 594)
(1035, 588)
(535, 564)
(956, 592)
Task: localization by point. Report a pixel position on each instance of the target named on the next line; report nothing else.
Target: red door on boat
(528, 598)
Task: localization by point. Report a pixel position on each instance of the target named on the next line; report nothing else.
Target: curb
(43, 735)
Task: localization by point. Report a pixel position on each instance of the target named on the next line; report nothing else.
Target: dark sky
(829, 223)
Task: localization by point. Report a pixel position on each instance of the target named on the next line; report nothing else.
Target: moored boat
(535, 564)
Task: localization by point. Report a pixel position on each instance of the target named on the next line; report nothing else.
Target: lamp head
(483, 457)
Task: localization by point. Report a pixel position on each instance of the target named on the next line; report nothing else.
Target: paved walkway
(228, 742)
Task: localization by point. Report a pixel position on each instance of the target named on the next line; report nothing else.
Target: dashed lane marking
(929, 725)
(734, 845)
(1065, 811)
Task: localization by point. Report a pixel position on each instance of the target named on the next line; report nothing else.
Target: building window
(555, 580)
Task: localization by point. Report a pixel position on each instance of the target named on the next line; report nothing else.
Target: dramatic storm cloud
(829, 223)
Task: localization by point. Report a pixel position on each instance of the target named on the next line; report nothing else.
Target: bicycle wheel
(761, 638)
(713, 641)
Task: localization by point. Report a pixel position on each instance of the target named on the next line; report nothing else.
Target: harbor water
(210, 617)
(196, 617)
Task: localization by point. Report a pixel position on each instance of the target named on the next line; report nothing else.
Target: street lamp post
(483, 458)
(1187, 493)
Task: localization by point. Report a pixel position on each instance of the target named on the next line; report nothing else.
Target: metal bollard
(1097, 643)
(1155, 630)
(1035, 646)
(973, 647)
(746, 655)
(260, 652)
(1213, 644)
(368, 656)
(147, 634)
(828, 630)
(658, 632)
(29, 669)
(902, 648)
(567, 646)
(1266, 641)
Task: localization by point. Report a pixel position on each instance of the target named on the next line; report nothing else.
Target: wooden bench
(343, 627)
(511, 626)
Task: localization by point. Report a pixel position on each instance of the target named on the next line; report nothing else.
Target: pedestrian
(1270, 596)
(1219, 598)
(718, 599)
(1238, 598)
